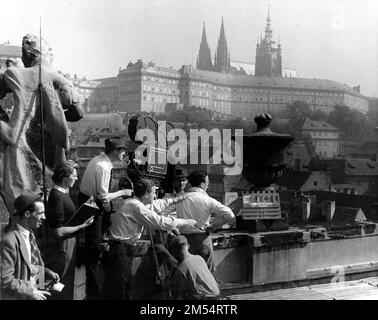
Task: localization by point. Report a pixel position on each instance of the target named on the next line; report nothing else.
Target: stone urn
(263, 152)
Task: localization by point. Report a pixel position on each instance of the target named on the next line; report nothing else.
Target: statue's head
(34, 50)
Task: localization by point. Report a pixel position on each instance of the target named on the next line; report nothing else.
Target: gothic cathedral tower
(204, 56)
(222, 56)
(268, 57)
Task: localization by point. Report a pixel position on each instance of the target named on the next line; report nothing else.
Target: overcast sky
(326, 39)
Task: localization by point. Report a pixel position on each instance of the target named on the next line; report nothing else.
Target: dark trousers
(145, 284)
(201, 244)
(92, 256)
(118, 277)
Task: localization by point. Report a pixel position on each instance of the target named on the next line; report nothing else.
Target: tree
(352, 123)
(249, 127)
(298, 110)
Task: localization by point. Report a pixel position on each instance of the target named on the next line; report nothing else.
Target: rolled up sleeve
(150, 219)
(102, 184)
(222, 213)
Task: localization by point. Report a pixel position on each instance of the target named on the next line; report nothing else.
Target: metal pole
(40, 89)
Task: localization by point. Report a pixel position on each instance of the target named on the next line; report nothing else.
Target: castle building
(222, 87)
(149, 88)
(268, 57)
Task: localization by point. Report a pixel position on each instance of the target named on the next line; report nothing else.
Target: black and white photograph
(209, 152)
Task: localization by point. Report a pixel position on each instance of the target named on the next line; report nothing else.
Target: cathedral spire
(268, 29)
(222, 57)
(204, 56)
(268, 55)
(222, 36)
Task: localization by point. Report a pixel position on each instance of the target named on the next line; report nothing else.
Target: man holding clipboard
(96, 183)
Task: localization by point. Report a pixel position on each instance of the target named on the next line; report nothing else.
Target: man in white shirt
(21, 262)
(96, 183)
(126, 228)
(198, 205)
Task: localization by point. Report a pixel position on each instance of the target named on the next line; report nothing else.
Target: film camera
(144, 155)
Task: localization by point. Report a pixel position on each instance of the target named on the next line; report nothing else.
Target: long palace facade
(218, 86)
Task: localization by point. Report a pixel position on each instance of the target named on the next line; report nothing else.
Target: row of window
(325, 143)
(323, 134)
(161, 80)
(159, 90)
(160, 99)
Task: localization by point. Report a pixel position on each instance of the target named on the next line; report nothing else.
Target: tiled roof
(10, 51)
(318, 125)
(348, 214)
(361, 167)
(279, 82)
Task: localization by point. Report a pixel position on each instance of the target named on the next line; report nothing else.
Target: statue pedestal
(261, 212)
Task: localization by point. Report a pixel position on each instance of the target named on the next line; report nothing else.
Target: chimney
(328, 209)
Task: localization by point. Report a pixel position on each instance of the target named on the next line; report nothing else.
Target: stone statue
(20, 137)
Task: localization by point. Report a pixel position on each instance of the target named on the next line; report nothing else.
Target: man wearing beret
(96, 183)
(21, 262)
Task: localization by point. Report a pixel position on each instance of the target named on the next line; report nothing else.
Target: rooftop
(318, 125)
(279, 82)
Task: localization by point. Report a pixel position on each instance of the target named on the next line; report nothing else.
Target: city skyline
(335, 40)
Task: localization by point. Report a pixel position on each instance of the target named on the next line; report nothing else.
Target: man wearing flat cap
(96, 183)
(21, 262)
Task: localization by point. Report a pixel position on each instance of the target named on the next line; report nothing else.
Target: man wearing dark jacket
(21, 265)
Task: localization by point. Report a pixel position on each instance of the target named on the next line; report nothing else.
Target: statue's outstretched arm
(70, 98)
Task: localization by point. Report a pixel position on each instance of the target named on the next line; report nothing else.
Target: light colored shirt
(129, 221)
(26, 236)
(96, 178)
(192, 279)
(199, 206)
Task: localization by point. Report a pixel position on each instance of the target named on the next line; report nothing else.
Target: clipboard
(85, 211)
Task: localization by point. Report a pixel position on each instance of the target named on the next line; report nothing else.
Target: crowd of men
(179, 228)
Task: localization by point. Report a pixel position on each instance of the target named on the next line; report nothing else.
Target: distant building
(362, 173)
(233, 88)
(249, 69)
(86, 88)
(147, 87)
(305, 180)
(8, 51)
(268, 56)
(298, 155)
(373, 105)
(324, 136)
(105, 96)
